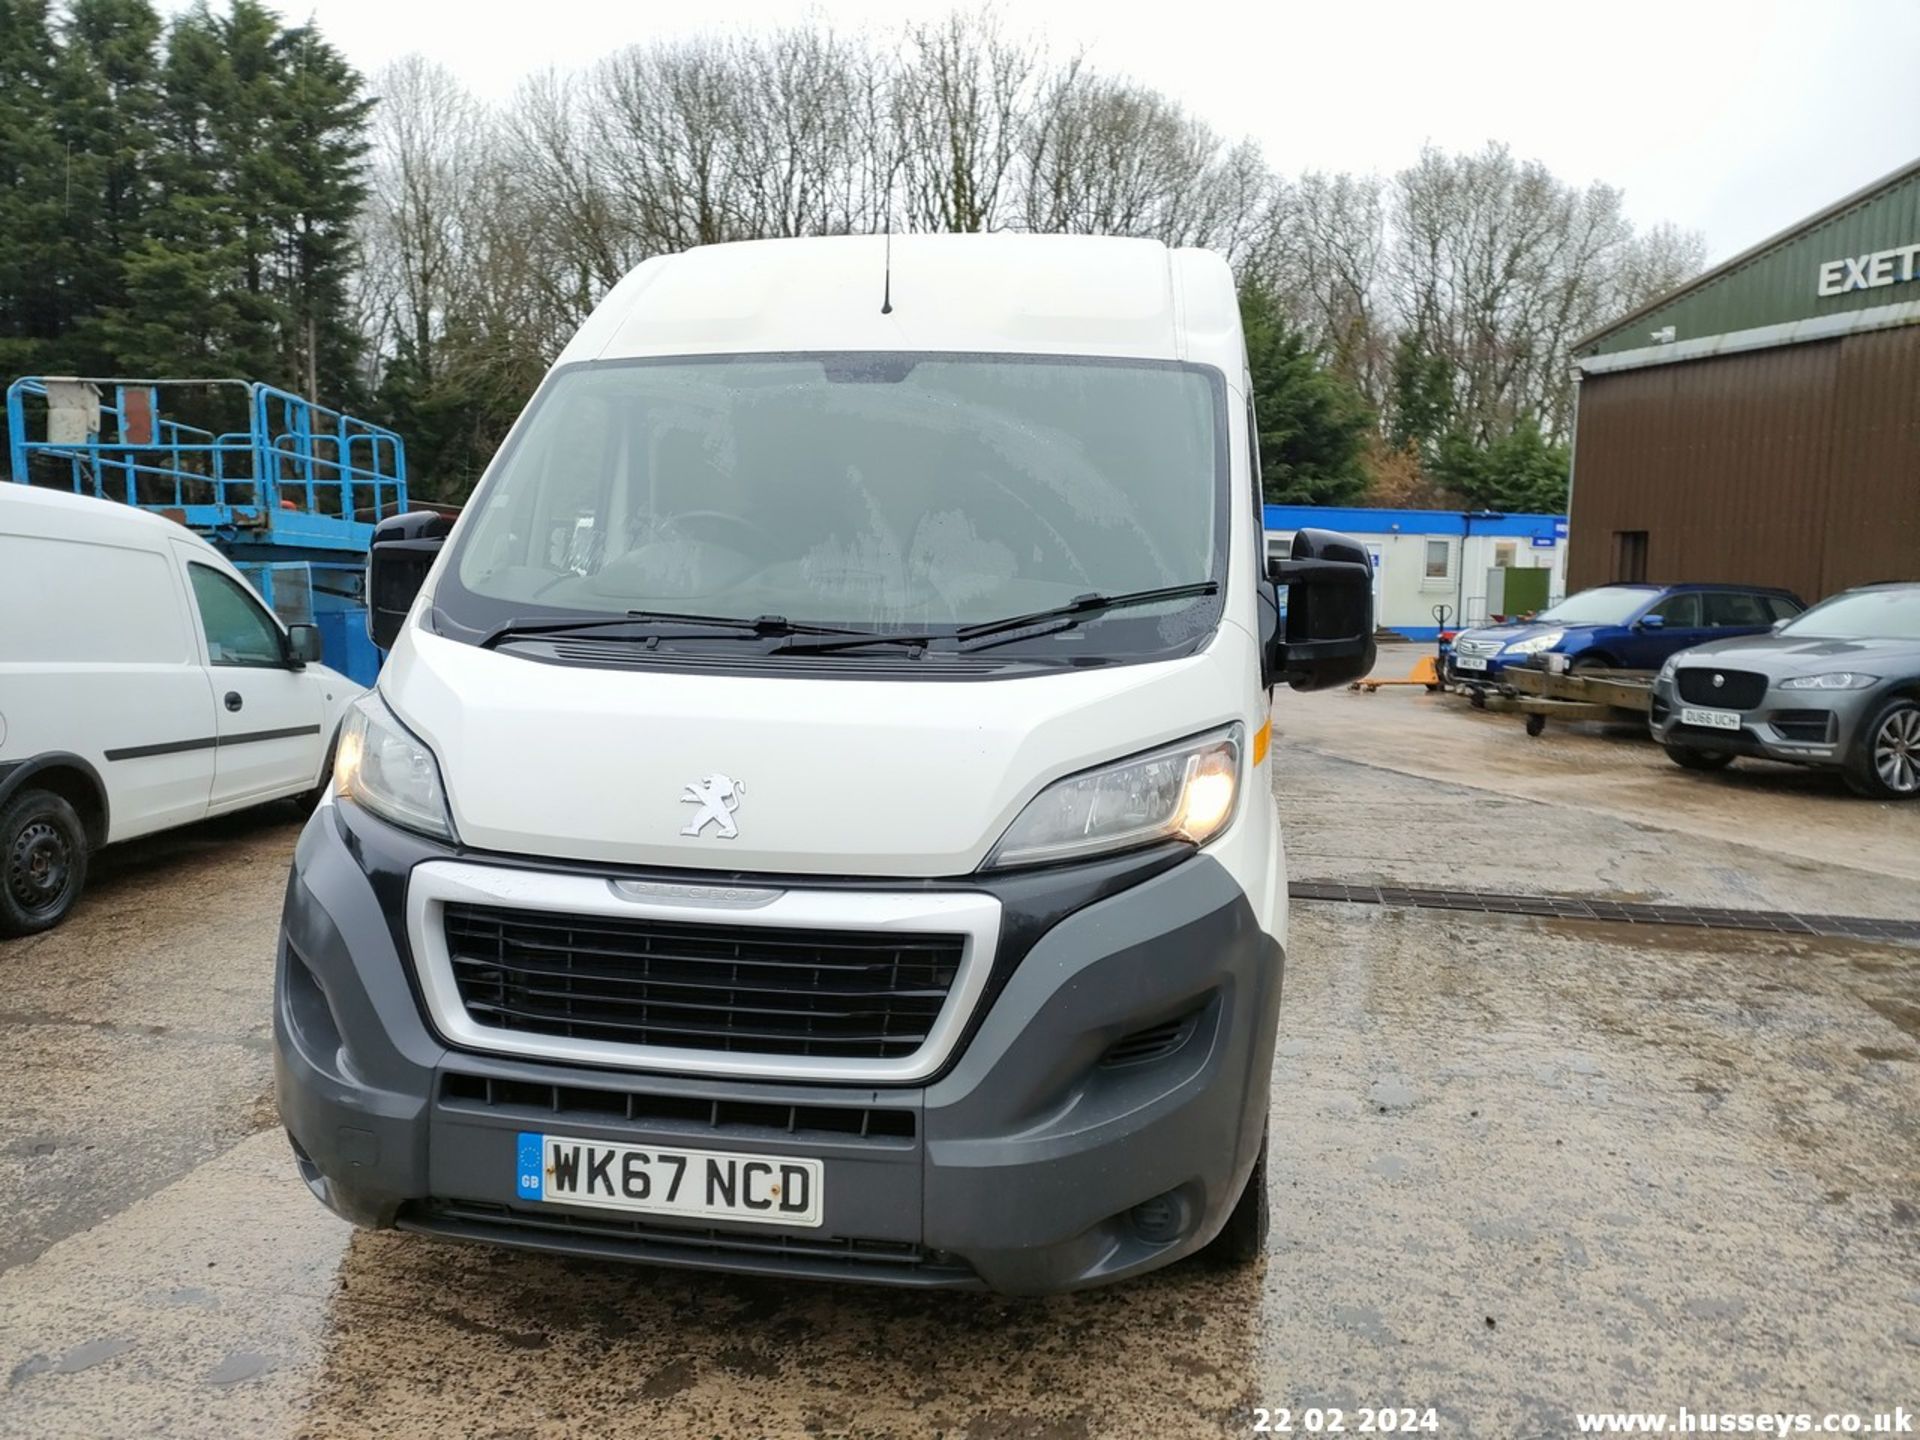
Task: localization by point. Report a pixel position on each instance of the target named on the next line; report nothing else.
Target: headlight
(1186, 791)
(385, 769)
(1534, 644)
(1832, 680)
(1667, 667)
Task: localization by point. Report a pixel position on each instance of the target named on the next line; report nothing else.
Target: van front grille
(744, 989)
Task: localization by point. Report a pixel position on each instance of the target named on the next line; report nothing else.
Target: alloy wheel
(1896, 751)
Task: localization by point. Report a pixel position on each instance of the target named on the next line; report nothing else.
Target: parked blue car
(1621, 627)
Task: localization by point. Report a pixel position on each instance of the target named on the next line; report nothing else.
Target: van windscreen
(869, 491)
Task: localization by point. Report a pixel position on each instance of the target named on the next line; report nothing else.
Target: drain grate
(1574, 907)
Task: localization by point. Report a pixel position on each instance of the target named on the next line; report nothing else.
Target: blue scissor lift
(287, 489)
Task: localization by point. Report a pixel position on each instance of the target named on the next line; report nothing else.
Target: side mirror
(1324, 636)
(1651, 622)
(403, 550)
(303, 644)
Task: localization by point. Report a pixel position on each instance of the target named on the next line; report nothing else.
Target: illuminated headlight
(1185, 792)
(1831, 680)
(1534, 644)
(381, 766)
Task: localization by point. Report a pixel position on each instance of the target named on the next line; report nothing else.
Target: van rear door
(268, 715)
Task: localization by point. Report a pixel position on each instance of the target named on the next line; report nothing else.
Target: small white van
(817, 815)
(143, 685)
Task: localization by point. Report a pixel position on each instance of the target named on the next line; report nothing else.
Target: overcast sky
(1732, 119)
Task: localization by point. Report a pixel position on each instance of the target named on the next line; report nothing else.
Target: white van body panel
(103, 658)
(1003, 293)
(836, 776)
(844, 777)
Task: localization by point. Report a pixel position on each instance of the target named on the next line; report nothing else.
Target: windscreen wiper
(993, 632)
(1080, 608)
(641, 625)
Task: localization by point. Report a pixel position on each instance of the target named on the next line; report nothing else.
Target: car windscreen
(870, 491)
(1607, 605)
(1861, 615)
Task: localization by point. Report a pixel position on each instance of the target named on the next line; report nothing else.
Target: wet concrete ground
(1523, 1167)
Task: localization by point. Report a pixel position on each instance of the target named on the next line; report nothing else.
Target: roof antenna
(886, 290)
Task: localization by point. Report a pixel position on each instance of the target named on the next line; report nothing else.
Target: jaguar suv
(1836, 687)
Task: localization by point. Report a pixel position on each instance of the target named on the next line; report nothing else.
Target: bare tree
(429, 143)
(1497, 266)
(1325, 257)
(490, 234)
(961, 95)
(1110, 157)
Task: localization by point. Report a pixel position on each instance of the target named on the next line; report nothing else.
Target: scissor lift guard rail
(288, 489)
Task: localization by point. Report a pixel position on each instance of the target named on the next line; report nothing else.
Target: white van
(816, 817)
(142, 685)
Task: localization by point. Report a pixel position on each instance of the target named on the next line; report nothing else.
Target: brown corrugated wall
(1795, 466)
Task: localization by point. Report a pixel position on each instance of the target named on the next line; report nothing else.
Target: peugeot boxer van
(143, 685)
(816, 817)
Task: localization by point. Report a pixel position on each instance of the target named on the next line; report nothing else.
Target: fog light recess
(1161, 1220)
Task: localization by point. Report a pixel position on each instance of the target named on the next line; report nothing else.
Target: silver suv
(1836, 687)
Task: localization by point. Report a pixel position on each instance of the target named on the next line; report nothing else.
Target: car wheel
(308, 799)
(43, 862)
(1243, 1239)
(1885, 764)
(1590, 662)
(1689, 758)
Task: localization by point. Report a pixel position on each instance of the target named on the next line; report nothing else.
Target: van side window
(238, 630)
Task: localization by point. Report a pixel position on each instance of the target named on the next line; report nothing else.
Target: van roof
(999, 293)
(90, 518)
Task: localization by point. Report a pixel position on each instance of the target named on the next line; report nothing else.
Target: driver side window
(237, 629)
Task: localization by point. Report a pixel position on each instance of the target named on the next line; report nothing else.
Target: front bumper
(1018, 1166)
(1799, 727)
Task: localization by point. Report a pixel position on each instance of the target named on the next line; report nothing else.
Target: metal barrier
(297, 475)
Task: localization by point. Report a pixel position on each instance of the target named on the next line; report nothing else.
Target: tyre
(1589, 662)
(1243, 1239)
(1688, 758)
(43, 862)
(307, 800)
(1885, 764)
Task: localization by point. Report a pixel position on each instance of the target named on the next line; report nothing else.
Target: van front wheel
(43, 862)
(1243, 1239)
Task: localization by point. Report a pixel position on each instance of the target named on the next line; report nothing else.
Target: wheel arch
(71, 777)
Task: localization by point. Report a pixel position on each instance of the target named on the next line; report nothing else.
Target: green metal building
(1762, 423)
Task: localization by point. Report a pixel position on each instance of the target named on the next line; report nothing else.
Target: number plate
(652, 1180)
(1710, 719)
(1469, 662)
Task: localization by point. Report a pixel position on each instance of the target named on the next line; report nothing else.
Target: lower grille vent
(634, 1238)
(537, 1101)
(1156, 1042)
